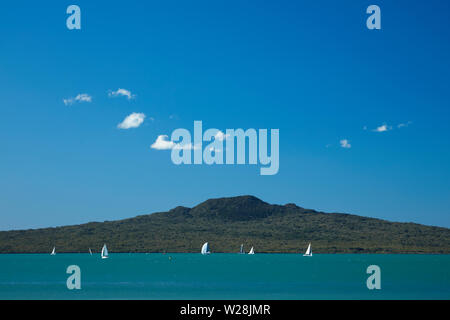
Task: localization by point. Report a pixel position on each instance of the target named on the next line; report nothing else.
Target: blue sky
(308, 68)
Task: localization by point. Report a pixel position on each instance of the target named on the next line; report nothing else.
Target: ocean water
(224, 276)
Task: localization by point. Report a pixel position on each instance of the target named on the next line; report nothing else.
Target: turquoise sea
(224, 276)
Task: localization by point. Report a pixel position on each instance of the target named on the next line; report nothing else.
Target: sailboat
(104, 252)
(251, 251)
(90, 251)
(53, 251)
(205, 248)
(242, 249)
(308, 252)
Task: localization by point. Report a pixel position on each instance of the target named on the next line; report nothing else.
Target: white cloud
(163, 143)
(345, 144)
(403, 125)
(220, 136)
(216, 150)
(188, 146)
(383, 128)
(133, 120)
(122, 92)
(82, 97)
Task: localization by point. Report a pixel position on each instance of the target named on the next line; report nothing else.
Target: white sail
(251, 251)
(104, 252)
(53, 251)
(205, 248)
(241, 251)
(308, 252)
(90, 251)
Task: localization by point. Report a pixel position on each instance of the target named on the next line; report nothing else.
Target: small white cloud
(82, 97)
(163, 143)
(122, 92)
(220, 136)
(345, 144)
(215, 150)
(134, 120)
(403, 125)
(383, 128)
(188, 146)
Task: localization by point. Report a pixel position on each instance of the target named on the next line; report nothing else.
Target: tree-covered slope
(226, 223)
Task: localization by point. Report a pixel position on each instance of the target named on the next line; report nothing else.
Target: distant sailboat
(251, 251)
(53, 251)
(90, 251)
(242, 249)
(205, 248)
(104, 252)
(308, 252)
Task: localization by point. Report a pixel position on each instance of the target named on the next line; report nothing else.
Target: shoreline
(231, 253)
